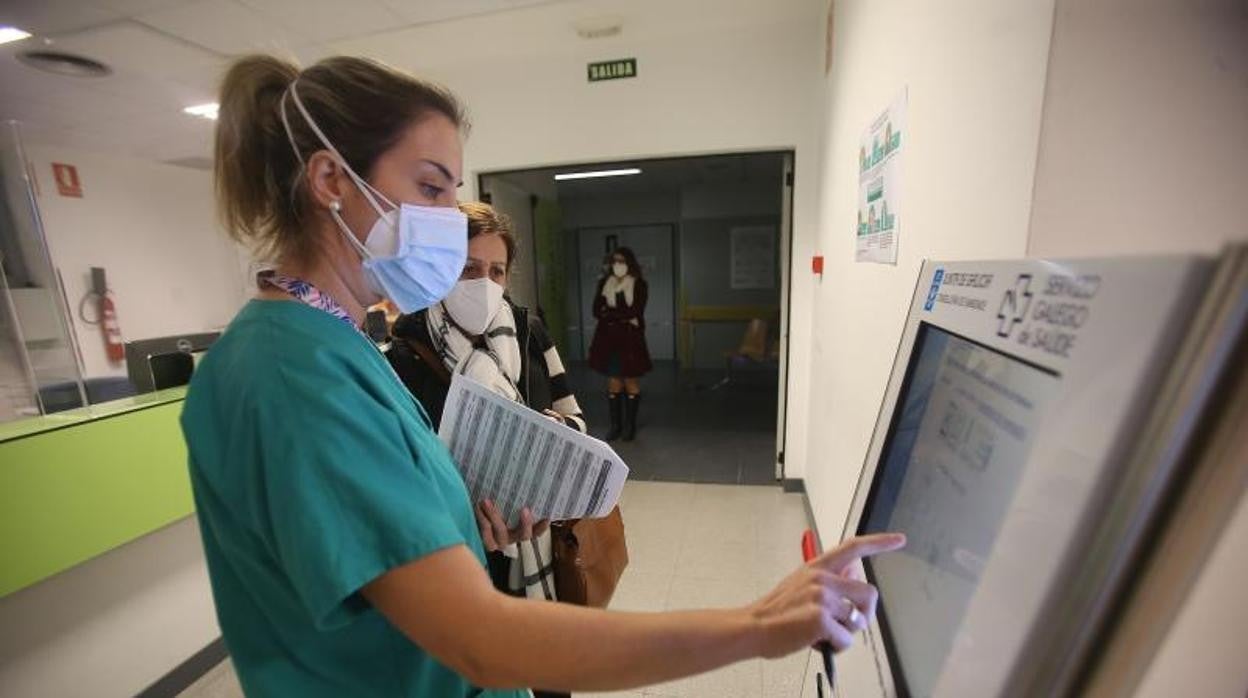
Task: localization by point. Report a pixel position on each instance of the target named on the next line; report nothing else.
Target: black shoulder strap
(431, 360)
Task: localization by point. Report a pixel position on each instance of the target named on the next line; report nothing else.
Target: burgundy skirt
(619, 350)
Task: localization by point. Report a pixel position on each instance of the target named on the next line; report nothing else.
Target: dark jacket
(619, 345)
(430, 384)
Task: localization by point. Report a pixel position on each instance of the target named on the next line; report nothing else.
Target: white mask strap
(365, 188)
(290, 135)
(346, 232)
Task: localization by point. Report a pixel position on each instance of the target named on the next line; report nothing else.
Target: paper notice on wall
(879, 182)
(519, 458)
(753, 257)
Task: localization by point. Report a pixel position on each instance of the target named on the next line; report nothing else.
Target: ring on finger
(853, 617)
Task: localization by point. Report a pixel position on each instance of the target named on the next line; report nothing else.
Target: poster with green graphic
(879, 182)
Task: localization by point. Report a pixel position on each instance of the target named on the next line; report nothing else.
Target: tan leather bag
(590, 557)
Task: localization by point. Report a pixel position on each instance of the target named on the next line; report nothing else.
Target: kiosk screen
(955, 453)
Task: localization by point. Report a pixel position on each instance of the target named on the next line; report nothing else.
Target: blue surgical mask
(413, 255)
(429, 249)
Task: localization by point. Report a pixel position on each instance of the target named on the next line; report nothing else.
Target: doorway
(711, 236)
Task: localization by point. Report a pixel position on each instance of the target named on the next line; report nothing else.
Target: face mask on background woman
(473, 303)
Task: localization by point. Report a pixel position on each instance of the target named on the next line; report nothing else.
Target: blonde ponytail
(362, 106)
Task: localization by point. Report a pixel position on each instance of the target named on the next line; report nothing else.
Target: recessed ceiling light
(203, 111)
(597, 173)
(10, 34)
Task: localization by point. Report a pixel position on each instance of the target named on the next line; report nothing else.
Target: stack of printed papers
(520, 458)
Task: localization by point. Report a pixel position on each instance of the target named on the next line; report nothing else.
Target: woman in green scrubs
(345, 557)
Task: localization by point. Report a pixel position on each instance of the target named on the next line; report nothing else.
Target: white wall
(153, 228)
(112, 625)
(1203, 653)
(1144, 149)
(1140, 147)
(115, 624)
(975, 74)
(743, 76)
(1144, 146)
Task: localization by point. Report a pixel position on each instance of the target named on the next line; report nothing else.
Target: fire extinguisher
(109, 325)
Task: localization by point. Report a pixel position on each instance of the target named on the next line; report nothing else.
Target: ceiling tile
(311, 53)
(425, 11)
(224, 26)
(322, 20)
(23, 85)
(129, 104)
(127, 46)
(51, 17)
(173, 52)
(130, 8)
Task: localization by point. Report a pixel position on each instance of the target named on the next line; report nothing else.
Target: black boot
(630, 416)
(614, 400)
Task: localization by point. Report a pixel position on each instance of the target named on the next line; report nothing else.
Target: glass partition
(39, 368)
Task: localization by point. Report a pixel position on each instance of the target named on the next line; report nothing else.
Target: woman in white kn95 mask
(345, 555)
(481, 333)
(618, 350)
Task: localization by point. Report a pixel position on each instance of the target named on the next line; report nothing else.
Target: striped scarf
(492, 359)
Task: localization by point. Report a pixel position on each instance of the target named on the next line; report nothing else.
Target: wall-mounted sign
(753, 257)
(613, 70)
(67, 182)
(879, 183)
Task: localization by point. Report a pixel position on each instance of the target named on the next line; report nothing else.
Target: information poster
(753, 257)
(879, 182)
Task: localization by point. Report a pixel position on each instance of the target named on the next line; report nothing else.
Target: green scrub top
(314, 472)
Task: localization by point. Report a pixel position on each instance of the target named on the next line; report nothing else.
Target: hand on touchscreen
(824, 600)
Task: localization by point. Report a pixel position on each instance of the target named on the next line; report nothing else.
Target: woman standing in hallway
(345, 556)
(618, 350)
(479, 332)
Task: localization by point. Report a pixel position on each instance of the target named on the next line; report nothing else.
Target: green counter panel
(70, 494)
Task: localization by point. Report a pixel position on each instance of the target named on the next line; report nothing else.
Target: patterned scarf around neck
(492, 359)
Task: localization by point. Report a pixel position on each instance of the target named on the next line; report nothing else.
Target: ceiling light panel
(594, 174)
(10, 34)
(203, 111)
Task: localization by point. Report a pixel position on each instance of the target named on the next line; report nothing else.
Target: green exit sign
(613, 70)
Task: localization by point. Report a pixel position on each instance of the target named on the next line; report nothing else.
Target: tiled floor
(709, 546)
(689, 433)
(690, 546)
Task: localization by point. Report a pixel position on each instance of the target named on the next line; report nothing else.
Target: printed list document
(519, 458)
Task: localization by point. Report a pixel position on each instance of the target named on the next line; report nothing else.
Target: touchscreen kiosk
(1007, 451)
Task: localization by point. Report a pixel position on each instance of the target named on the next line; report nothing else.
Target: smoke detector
(599, 27)
(62, 63)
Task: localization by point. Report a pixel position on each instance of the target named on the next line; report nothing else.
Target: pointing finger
(859, 547)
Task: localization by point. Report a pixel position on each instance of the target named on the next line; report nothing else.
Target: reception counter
(76, 484)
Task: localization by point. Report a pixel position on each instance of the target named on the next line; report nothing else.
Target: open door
(786, 286)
